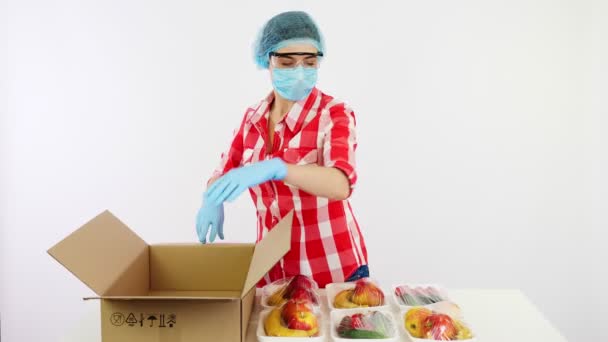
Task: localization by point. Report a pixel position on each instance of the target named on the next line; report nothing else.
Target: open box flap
(269, 251)
(107, 256)
(200, 267)
(178, 295)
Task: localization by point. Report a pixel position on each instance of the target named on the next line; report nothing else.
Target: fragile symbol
(131, 320)
(117, 319)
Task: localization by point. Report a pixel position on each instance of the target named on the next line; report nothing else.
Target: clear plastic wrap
(423, 324)
(363, 293)
(300, 288)
(292, 319)
(418, 295)
(369, 324)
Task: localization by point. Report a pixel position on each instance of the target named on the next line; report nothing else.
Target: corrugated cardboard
(169, 292)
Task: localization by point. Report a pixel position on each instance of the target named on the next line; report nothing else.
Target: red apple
(298, 316)
(360, 322)
(414, 319)
(302, 296)
(367, 294)
(439, 327)
(297, 285)
(299, 281)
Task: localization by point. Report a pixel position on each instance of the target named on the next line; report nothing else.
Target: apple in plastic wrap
(298, 315)
(414, 319)
(303, 296)
(293, 319)
(367, 294)
(299, 287)
(439, 327)
(299, 282)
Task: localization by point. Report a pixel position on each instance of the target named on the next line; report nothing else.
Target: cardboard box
(169, 292)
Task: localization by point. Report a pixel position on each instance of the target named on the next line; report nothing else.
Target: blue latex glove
(210, 215)
(232, 184)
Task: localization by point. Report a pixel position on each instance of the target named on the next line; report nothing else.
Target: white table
(494, 316)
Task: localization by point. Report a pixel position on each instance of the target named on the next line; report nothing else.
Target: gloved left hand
(210, 216)
(232, 184)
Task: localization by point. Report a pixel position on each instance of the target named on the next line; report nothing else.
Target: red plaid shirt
(326, 241)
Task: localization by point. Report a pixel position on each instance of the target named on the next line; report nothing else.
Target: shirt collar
(297, 115)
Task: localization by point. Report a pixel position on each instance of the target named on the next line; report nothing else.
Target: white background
(481, 157)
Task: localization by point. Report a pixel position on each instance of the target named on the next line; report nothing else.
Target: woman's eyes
(290, 63)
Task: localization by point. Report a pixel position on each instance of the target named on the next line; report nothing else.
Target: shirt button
(274, 220)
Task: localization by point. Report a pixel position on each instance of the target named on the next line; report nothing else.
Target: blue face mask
(294, 84)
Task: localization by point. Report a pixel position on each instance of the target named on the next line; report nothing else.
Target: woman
(294, 150)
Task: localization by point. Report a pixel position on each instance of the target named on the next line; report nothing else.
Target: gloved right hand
(237, 180)
(210, 215)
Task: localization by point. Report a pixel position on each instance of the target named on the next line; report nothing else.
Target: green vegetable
(361, 334)
(372, 325)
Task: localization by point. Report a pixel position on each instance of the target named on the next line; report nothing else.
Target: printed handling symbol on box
(152, 318)
(164, 320)
(131, 320)
(117, 319)
(172, 320)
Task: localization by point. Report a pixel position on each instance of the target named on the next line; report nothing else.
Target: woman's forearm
(320, 181)
(212, 180)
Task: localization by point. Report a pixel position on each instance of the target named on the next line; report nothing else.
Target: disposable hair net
(284, 29)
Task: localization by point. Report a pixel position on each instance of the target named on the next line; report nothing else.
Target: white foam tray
(401, 320)
(261, 333)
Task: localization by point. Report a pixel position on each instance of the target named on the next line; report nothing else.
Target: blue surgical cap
(284, 29)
